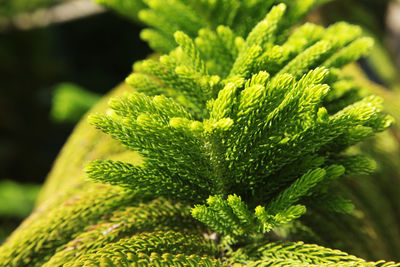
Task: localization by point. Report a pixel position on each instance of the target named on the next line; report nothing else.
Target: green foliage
(68, 219)
(233, 219)
(154, 227)
(70, 102)
(93, 218)
(243, 125)
(297, 254)
(255, 127)
(167, 17)
(163, 247)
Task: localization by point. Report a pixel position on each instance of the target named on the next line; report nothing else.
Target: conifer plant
(242, 124)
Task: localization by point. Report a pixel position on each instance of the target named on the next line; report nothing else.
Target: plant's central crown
(257, 122)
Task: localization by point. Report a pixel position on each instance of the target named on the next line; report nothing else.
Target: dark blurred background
(95, 52)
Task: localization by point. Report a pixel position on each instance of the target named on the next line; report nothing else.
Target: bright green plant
(244, 127)
(259, 116)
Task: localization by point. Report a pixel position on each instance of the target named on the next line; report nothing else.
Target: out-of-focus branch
(67, 11)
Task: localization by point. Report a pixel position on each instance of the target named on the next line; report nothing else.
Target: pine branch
(167, 17)
(304, 253)
(239, 131)
(297, 254)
